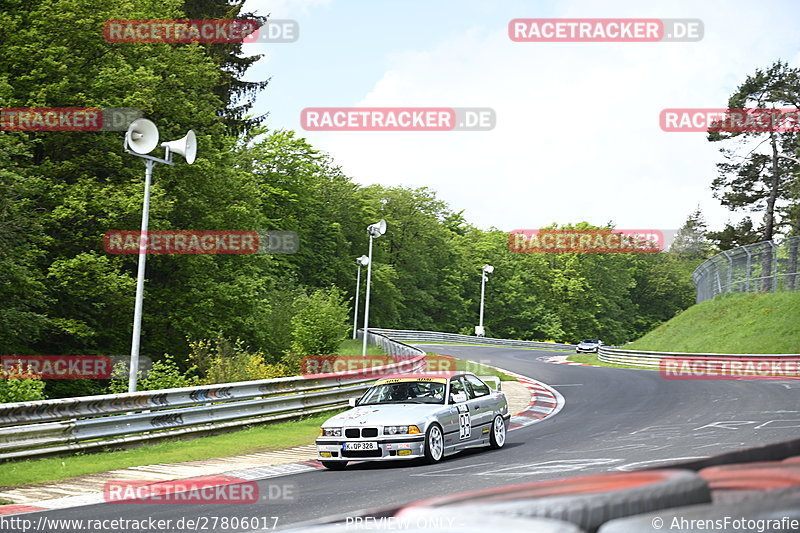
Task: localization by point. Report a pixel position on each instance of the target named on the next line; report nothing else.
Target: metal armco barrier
(619, 356)
(50, 426)
(434, 337)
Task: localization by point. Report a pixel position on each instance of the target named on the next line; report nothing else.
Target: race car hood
(384, 415)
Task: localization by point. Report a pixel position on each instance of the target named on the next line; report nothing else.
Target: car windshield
(590, 341)
(405, 392)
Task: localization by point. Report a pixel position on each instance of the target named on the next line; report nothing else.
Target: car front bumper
(333, 449)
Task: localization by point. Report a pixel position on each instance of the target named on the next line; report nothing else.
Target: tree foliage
(245, 316)
(761, 180)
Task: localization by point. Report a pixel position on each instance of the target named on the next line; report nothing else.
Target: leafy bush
(224, 361)
(321, 323)
(164, 374)
(20, 389)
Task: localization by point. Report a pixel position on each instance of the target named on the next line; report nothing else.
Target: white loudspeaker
(142, 136)
(377, 229)
(187, 147)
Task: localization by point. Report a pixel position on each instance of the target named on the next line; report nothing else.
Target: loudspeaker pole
(137, 313)
(374, 230)
(141, 139)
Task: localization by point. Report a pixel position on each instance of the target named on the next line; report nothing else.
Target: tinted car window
(404, 392)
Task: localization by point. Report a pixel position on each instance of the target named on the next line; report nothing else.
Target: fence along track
(761, 267)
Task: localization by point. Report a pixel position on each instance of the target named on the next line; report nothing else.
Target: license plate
(360, 446)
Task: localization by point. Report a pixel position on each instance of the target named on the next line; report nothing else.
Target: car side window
(456, 386)
(478, 387)
(468, 388)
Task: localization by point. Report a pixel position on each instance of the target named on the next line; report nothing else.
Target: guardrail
(654, 360)
(434, 337)
(53, 426)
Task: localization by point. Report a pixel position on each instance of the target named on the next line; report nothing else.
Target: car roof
(444, 375)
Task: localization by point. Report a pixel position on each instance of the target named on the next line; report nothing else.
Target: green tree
(691, 241)
(758, 181)
(733, 235)
(321, 324)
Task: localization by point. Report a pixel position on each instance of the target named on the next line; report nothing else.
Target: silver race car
(588, 346)
(416, 416)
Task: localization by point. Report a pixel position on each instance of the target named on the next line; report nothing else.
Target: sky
(577, 135)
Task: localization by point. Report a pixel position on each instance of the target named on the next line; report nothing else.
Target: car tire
(334, 465)
(497, 433)
(434, 444)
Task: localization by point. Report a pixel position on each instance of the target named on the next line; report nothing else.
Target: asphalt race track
(614, 419)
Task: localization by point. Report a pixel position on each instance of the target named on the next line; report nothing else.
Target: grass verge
(353, 347)
(592, 359)
(493, 346)
(462, 365)
(733, 323)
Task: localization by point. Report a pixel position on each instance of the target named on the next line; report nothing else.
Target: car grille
(354, 433)
(361, 453)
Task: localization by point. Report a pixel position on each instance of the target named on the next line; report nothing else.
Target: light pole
(141, 139)
(374, 230)
(361, 261)
(487, 269)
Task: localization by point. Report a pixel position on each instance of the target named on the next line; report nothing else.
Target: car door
(461, 433)
(480, 406)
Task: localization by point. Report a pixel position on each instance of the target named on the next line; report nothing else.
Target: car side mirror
(459, 397)
(353, 402)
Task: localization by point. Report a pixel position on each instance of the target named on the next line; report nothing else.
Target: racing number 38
(465, 428)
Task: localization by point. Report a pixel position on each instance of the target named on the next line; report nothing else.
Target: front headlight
(400, 430)
(331, 432)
